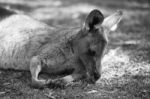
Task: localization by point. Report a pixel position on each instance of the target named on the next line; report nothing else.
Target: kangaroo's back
(16, 33)
(22, 37)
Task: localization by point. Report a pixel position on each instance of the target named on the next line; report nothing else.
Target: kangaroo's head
(90, 45)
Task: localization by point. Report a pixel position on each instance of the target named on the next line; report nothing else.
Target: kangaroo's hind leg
(79, 73)
(35, 69)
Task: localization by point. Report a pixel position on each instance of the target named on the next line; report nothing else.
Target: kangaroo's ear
(94, 18)
(112, 21)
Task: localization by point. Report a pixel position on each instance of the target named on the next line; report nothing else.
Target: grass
(126, 71)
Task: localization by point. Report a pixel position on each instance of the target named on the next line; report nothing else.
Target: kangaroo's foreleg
(79, 73)
(35, 69)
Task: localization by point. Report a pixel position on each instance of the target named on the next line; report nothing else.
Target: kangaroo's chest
(55, 54)
(57, 58)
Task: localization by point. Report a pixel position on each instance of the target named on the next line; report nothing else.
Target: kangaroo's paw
(40, 83)
(61, 82)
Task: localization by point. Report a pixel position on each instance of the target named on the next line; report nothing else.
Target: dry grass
(126, 71)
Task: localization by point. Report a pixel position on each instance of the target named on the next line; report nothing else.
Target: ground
(126, 64)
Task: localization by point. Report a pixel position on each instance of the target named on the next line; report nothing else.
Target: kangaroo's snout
(96, 76)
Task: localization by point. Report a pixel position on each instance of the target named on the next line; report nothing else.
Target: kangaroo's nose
(96, 76)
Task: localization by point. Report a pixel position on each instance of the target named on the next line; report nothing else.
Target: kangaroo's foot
(68, 80)
(39, 83)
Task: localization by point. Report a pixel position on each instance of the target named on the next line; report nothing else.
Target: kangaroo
(27, 44)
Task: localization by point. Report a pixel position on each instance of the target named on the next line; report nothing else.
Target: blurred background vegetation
(126, 65)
